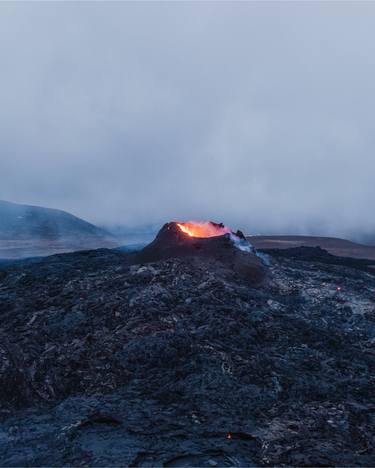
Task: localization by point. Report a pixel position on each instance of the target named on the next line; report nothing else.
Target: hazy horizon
(255, 114)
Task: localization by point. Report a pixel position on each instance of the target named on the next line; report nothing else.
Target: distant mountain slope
(335, 246)
(367, 239)
(32, 230)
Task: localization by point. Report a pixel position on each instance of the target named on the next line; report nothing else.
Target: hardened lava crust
(183, 362)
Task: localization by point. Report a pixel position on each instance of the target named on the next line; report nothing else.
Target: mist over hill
(27, 230)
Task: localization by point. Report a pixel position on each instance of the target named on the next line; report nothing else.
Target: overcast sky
(260, 115)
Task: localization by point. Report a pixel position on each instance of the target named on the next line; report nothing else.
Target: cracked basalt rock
(109, 360)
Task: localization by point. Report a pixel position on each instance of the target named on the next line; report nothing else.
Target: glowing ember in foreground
(203, 229)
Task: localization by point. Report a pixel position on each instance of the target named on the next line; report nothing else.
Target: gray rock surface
(181, 362)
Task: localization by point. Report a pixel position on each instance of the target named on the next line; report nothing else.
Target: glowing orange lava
(203, 229)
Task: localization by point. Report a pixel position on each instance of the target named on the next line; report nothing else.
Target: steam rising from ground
(242, 244)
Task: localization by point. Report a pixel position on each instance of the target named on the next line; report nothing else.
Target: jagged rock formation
(182, 362)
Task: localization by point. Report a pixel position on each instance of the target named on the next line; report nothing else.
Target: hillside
(27, 230)
(335, 246)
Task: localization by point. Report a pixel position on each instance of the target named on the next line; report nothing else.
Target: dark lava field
(183, 361)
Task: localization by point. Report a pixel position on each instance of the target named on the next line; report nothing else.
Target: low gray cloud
(256, 114)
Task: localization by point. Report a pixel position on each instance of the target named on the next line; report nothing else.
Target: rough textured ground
(182, 363)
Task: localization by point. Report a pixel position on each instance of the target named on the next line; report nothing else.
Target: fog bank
(259, 115)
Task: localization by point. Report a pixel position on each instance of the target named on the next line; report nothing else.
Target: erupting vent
(207, 242)
(206, 229)
(203, 229)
